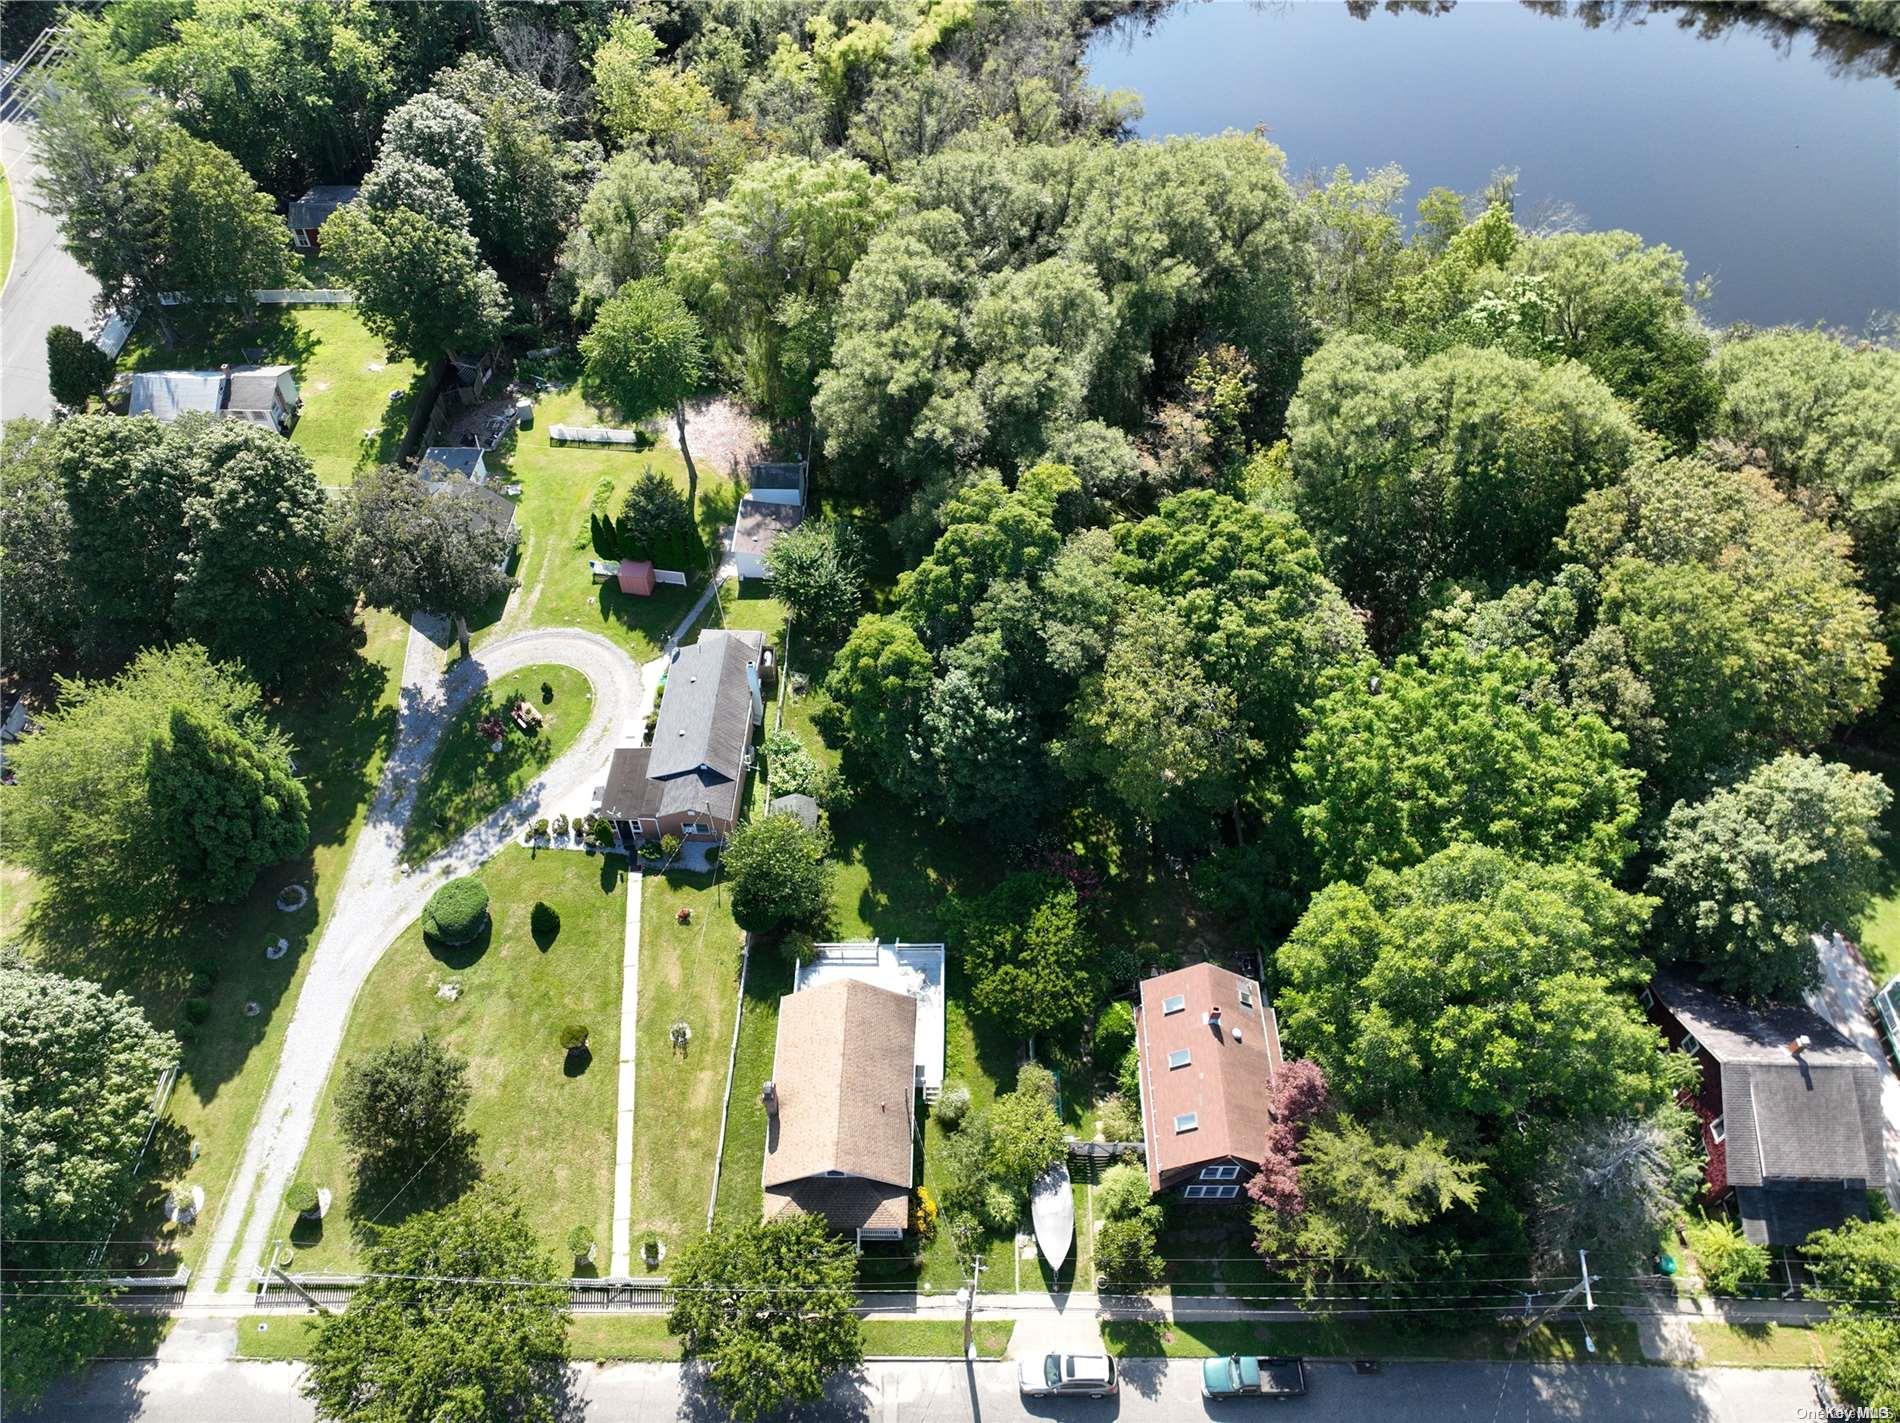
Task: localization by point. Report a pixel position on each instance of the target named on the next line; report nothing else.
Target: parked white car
(1068, 1375)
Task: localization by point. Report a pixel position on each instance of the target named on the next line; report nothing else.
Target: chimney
(1800, 1045)
(768, 1094)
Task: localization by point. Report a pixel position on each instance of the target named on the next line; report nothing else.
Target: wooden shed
(636, 577)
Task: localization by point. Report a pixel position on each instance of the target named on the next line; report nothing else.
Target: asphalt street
(47, 288)
(225, 1392)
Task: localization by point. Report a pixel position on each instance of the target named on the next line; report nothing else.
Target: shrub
(1114, 1031)
(580, 1242)
(1120, 1117)
(202, 982)
(649, 850)
(1001, 1208)
(196, 1010)
(671, 845)
(560, 827)
(1038, 1081)
(574, 1037)
(457, 911)
(76, 370)
(544, 922)
(1728, 1260)
(1125, 1249)
(923, 1215)
(540, 828)
(790, 766)
(600, 831)
(1026, 1138)
(953, 1105)
(547, 693)
(1859, 1261)
(301, 1198)
(1122, 1193)
(1128, 1075)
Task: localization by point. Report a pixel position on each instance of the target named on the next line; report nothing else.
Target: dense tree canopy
(778, 874)
(1403, 761)
(416, 1341)
(1430, 994)
(401, 1112)
(413, 548)
(1461, 465)
(78, 1075)
(46, 622)
(645, 353)
(123, 820)
(1029, 953)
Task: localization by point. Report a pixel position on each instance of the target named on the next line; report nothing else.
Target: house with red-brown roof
(1209, 1046)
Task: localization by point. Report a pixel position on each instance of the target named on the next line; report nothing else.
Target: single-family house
(690, 779)
(446, 461)
(915, 970)
(774, 503)
(496, 509)
(261, 395)
(1790, 1109)
(1209, 1049)
(841, 1109)
(308, 213)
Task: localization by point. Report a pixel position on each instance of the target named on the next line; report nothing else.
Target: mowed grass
(467, 779)
(1759, 1346)
(341, 736)
(344, 374)
(1616, 1341)
(557, 493)
(545, 1124)
(643, 1338)
(688, 973)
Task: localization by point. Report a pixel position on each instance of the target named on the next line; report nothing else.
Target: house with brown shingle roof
(841, 1108)
(1210, 1046)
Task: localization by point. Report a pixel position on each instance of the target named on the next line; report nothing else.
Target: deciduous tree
(770, 1307)
(402, 1112)
(228, 808)
(645, 353)
(818, 573)
(624, 228)
(1028, 952)
(1748, 875)
(420, 286)
(76, 1089)
(417, 1340)
(880, 680)
(411, 549)
(778, 875)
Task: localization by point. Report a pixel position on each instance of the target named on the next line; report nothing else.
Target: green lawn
(688, 973)
(1758, 1346)
(344, 374)
(546, 1124)
(741, 1192)
(1616, 1341)
(1880, 929)
(467, 780)
(6, 229)
(643, 1337)
(341, 737)
(557, 492)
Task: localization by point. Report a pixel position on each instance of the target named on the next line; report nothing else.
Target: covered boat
(1052, 1211)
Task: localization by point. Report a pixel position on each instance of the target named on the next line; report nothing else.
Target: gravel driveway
(380, 895)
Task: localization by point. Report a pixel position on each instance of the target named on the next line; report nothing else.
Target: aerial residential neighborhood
(949, 709)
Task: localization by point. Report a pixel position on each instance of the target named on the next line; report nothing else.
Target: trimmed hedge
(457, 912)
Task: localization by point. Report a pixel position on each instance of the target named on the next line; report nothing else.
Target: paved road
(1846, 985)
(47, 288)
(204, 1392)
(380, 895)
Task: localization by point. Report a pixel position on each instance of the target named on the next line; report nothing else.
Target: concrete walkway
(47, 288)
(622, 1261)
(380, 895)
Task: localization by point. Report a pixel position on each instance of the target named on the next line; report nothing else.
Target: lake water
(1772, 164)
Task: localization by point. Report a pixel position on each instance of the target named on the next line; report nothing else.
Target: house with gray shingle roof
(1790, 1109)
(307, 213)
(260, 395)
(690, 779)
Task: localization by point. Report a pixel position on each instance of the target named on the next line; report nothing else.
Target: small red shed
(636, 577)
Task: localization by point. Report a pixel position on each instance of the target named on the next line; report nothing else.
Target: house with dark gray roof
(690, 779)
(442, 461)
(1790, 1109)
(307, 213)
(260, 395)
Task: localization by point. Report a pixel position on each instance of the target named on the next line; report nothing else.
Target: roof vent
(1800, 1045)
(1213, 1016)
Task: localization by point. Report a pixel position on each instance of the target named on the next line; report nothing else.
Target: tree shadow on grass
(577, 1062)
(464, 955)
(387, 1194)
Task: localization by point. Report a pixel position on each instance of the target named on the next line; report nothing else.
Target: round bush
(1122, 1193)
(953, 1105)
(1000, 1208)
(300, 1198)
(457, 912)
(574, 1037)
(580, 1242)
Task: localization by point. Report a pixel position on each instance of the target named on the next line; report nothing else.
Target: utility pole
(969, 1307)
(1568, 1298)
